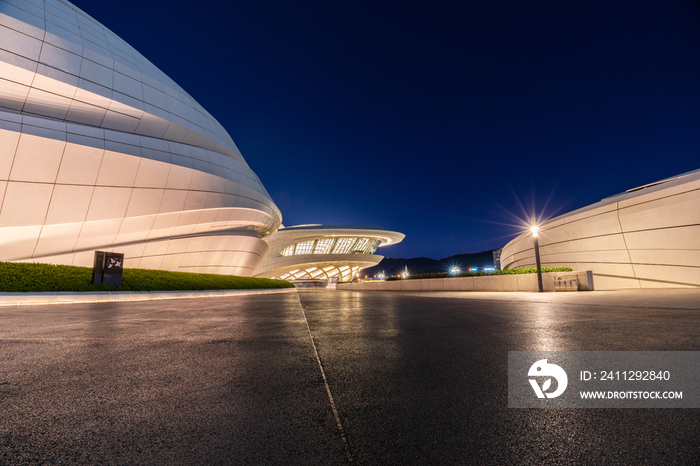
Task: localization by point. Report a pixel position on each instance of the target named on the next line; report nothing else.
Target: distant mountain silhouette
(393, 266)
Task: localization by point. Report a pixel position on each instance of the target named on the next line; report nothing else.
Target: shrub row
(27, 277)
(533, 270)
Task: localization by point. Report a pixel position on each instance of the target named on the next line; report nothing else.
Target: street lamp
(534, 230)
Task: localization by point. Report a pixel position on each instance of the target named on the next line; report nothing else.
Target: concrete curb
(28, 299)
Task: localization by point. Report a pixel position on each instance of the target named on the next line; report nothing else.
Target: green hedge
(481, 274)
(26, 277)
(533, 270)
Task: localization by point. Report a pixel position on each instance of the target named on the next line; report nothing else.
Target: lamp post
(534, 229)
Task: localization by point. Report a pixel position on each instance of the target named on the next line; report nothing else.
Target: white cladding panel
(645, 238)
(101, 150)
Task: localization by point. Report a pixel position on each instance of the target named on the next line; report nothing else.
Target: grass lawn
(27, 277)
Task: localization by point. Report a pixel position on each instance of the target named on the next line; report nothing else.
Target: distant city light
(454, 270)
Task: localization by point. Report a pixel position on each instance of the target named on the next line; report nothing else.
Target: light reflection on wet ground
(418, 378)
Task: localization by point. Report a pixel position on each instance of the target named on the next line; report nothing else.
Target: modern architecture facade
(318, 252)
(100, 150)
(646, 237)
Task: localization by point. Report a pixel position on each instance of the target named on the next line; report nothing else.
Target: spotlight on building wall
(534, 229)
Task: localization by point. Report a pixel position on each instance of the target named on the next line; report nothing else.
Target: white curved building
(99, 150)
(646, 237)
(319, 252)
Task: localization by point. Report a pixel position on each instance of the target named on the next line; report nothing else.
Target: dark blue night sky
(435, 119)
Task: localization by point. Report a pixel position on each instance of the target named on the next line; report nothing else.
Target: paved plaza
(405, 378)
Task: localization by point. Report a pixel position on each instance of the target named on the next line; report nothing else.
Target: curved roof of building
(644, 190)
(87, 68)
(65, 65)
(387, 236)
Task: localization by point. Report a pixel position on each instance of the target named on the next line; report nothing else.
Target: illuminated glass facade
(344, 273)
(324, 253)
(347, 245)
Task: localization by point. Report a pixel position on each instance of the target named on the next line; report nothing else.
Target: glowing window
(344, 245)
(323, 246)
(306, 247)
(361, 246)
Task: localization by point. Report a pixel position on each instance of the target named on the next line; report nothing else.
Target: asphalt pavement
(404, 378)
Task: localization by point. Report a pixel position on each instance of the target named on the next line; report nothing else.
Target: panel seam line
(341, 431)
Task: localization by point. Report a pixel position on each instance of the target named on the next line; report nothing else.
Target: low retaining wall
(68, 297)
(515, 282)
